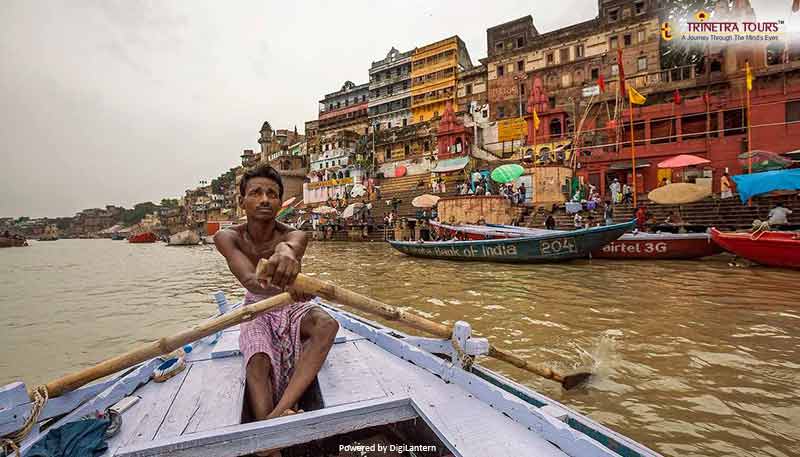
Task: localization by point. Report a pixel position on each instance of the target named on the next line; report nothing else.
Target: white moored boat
(377, 387)
(184, 238)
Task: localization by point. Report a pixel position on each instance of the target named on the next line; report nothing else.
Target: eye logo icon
(701, 16)
(666, 31)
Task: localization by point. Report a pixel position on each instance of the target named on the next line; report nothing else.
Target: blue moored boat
(548, 247)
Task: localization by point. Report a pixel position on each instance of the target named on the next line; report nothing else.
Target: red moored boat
(660, 246)
(774, 249)
(146, 237)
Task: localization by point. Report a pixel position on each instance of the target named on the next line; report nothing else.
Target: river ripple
(694, 358)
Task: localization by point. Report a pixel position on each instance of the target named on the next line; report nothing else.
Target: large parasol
(682, 161)
(764, 160)
(351, 209)
(324, 210)
(425, 201)
(679, 193)
(507, 173)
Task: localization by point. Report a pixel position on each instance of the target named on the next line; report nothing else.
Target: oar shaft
(341, 295)
(164, 345)
(347, 297)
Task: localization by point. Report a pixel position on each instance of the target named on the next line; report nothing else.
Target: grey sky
(118, 102)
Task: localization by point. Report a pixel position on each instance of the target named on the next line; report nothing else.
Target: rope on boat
(759, 228)
(463, 358)
(12, 440)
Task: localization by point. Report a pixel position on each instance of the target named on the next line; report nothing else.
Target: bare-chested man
(283, 349)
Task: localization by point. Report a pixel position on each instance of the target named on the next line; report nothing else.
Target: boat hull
(147, 237)
(12, 242)
(649, 246)
(652, 246)
(548, 247)
(774, 249)
(185, 238)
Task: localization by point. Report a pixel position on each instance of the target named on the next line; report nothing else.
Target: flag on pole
(635, 97)
(749, 76)
(621, 73)
(706, 98)
(676, 97)
(601, 82)
(535, 120)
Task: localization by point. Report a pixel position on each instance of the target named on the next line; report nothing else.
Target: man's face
(261, 200)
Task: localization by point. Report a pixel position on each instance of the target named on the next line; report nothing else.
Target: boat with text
(636, 245)
(544, 246)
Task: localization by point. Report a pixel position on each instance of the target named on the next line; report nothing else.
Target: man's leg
(259, 386)
(319, 329)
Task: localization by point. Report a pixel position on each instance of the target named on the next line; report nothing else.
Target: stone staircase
(728, 214)
(406, 189)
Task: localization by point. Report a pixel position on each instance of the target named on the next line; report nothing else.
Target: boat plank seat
(206, 395)
(345, 377)
(474, 428)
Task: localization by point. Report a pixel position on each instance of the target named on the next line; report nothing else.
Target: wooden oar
(334, 293)
(164, 345)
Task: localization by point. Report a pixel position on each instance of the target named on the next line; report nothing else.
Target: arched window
(555, 127)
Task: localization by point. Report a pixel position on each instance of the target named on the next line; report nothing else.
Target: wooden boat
(184, 238)
(144, 237)
(12, 242)
(550, 246)
(378, 386)
(117, 236)
(639, 245)
(659, 246)
(771, 248)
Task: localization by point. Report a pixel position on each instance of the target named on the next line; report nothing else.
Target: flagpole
(749, 138)
(633, 153)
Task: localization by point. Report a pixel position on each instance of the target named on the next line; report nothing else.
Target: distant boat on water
(12, 241)
(145, 237)
(184, 238)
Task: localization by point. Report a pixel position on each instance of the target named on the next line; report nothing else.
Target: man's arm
(284, 265)
(239, 264)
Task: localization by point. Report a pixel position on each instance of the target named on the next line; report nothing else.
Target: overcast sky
(119, 102)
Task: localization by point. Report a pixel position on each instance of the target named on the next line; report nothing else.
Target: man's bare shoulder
(228, 236)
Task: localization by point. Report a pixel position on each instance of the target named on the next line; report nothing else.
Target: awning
(626, 165)
(446, 165)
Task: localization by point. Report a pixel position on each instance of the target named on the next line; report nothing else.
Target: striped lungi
(276, 334)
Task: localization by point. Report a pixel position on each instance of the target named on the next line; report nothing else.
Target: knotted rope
(463, 358)
(12, 440)
(759, 228)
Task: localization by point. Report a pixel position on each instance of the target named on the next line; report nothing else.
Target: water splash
(601, 360)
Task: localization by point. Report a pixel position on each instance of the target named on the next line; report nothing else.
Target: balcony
(386, 82)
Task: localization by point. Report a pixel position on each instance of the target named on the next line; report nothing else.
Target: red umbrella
(683, 160)
(400, 171)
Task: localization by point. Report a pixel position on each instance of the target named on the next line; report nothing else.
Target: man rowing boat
(284, 349)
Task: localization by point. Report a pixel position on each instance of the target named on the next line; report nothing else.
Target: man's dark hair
(261, 171)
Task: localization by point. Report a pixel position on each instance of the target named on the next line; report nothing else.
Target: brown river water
(693, 358)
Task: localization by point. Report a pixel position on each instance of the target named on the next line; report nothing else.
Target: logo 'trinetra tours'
(702, 28)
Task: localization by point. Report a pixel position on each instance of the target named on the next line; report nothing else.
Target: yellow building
(433, 76)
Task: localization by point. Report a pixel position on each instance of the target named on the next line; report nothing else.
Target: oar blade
(574, 380)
